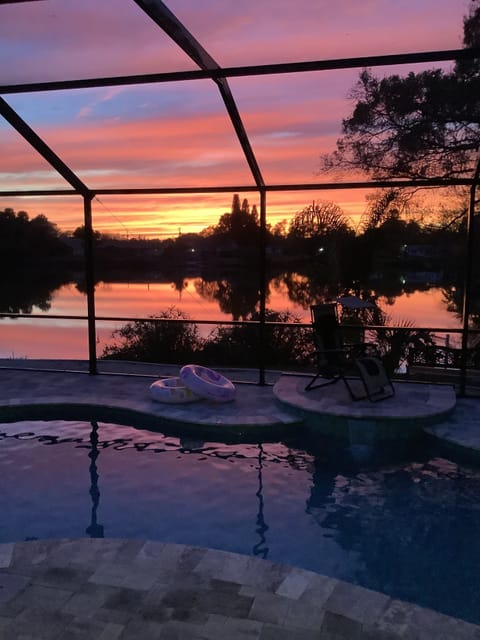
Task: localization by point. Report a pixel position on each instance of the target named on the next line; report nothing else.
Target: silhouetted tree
(79, 233)
(27, 242)
(384, 204)
(421, 125)
(319, 220)
(321, 232)
(240, 225)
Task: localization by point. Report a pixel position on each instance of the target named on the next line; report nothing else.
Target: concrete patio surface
(42, 389)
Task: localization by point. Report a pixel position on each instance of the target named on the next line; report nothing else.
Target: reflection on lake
(201, 300)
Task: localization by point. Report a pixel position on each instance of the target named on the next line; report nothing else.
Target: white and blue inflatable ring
(207, 383)
(172, 391)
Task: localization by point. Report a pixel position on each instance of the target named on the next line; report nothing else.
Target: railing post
(468, 280)
(262, 278)
(90, 283)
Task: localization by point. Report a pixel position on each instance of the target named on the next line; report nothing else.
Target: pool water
(405, 523)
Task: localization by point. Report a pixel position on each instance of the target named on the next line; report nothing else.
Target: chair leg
(383, 394)
(353, 395)
(376, 382)
(311, 385)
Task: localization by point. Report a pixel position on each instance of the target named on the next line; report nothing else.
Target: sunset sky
(178, 134)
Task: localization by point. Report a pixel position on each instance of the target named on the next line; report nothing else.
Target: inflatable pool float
(207, 383)
(172, 391)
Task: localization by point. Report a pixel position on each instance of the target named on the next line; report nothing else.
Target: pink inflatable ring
(207, 383)
(171, 391)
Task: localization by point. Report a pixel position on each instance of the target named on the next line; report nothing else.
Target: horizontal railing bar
(412, 328)
(133, 319)
(227, 322)
(309, 186)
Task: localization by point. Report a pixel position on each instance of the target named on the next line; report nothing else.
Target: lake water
(66, 338)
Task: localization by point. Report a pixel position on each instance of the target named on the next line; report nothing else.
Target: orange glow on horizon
(167, 216)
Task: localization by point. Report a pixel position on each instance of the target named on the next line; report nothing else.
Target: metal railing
(289, 347)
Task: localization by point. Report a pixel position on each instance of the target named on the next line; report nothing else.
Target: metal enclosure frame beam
(170, 24)
(41, 147)
(246, 71)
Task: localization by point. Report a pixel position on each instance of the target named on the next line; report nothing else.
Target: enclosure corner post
(90, 283)
(468, 280)
(263, 277)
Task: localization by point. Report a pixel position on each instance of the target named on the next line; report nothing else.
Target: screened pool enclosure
(143, 118)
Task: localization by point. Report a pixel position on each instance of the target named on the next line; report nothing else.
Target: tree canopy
(417, 126)
(28, 241)
(317, 220)
(240, 225)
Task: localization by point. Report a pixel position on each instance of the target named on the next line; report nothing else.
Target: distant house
(425, 251)
(423, 277)
(75, 245)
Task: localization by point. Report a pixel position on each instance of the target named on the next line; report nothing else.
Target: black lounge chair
(337, 360)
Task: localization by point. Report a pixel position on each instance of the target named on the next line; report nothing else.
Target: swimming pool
(404, 522)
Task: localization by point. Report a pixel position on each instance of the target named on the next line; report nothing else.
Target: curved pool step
(330, 409)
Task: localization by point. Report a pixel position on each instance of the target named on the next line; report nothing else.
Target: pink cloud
(55, 40)
(291, 31)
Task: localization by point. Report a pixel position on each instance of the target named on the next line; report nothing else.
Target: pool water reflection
(404, 522)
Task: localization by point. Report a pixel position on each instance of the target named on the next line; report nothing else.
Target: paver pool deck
(131, 589)
(111, 588)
